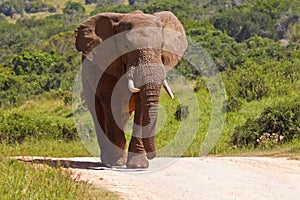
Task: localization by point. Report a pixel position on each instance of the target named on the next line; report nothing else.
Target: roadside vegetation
(254, 44)
(22, 181)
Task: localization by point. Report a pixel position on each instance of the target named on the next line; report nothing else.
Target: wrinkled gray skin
(132, 82)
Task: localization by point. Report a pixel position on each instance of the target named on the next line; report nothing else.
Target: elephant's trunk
(146, 116)
(145, 76)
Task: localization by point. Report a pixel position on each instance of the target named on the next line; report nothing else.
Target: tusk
(131, 86)
(168, 89)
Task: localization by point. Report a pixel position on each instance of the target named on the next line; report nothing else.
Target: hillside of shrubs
(254, 43)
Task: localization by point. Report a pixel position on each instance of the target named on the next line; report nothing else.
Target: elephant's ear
(94, 30)
(175, 42)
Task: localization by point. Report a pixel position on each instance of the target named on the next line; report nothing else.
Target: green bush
(245, 135)
(224, 50)
(73, 8)
(90, 1)
(36, 6)
(13, 6)
(232, 104)
(264, 72)
(117, 8)
(37, 62)
(276, 8)
(277, 124)
(181, 113)
(250, 82)
(180, 8)
(33, 73)
(17, 126)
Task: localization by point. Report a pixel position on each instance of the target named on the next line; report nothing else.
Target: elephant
(144, 48)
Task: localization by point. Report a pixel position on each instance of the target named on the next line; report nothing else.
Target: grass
(290, 150)
(22, 181)
(45, 147)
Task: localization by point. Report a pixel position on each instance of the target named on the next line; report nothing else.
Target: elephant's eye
(86, 32)
(123, 28)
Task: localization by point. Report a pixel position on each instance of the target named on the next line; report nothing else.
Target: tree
(275, 8)
(241, 24)
(118, 8)
(36, 63)
(131, 2)
(180, 8)
(73, 8)
(90, 1)
(36, 6)
(225, 51)
(13, 6)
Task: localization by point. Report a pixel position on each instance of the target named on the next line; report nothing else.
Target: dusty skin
(193, 178)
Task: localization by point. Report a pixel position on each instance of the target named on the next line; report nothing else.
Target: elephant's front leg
(136, 150)
(142, 144)
(112, 140)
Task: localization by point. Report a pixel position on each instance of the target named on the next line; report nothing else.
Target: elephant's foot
(149, 144)
(137, 160)
(114, 160)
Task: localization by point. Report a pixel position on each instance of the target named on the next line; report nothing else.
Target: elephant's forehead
(140, 20)
(137, 38)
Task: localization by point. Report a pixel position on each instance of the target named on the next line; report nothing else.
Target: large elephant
(145, 48)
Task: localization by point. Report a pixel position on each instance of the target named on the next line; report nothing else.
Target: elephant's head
(149, 46)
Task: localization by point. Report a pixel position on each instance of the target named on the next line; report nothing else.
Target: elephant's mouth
(146, 70)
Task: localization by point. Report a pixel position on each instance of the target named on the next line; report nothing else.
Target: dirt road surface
(196, 178)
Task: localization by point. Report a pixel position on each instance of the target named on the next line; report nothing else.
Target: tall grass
(22, 181)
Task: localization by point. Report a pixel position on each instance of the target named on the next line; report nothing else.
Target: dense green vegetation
(12, 7)
(35, 121)
(276, 124)
(254, 43)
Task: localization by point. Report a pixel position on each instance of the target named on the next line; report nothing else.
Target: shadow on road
(68, 163)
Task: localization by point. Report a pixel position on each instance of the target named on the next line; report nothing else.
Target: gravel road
(196, 178)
